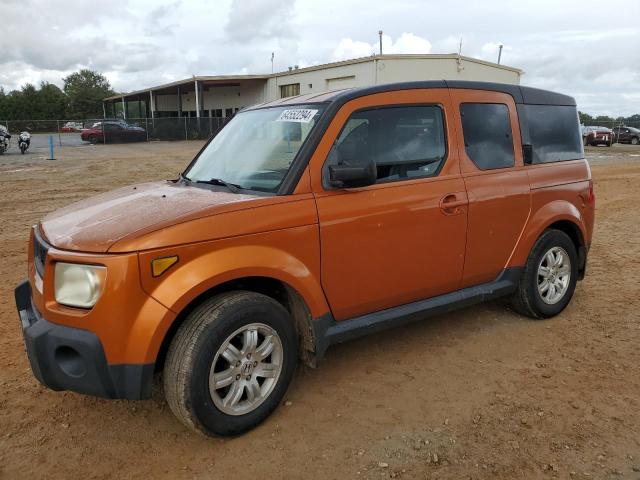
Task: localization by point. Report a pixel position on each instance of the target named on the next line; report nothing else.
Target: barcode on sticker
(300, 115)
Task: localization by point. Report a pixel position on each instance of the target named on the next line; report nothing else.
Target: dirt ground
(481, 394)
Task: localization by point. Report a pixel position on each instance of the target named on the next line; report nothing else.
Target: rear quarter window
(554, 132)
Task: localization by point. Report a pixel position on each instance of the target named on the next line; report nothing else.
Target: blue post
(51, 157)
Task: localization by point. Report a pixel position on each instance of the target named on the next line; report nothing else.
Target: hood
(94, 224)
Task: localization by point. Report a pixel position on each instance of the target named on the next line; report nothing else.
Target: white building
(223, 95)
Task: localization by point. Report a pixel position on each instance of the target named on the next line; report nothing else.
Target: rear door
(402, 239)
(495, 177)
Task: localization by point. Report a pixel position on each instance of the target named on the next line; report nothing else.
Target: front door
(402, 239)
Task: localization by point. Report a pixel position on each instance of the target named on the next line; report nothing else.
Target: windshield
(255, 150)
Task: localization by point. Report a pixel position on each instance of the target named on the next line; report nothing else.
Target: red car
(597, 136)
(113, 132)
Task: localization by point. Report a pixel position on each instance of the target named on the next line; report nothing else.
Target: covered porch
(212, 97)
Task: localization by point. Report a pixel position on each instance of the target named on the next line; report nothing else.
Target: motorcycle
(4, 139)
(24, 140)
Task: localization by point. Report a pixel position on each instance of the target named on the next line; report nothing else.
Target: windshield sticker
(299, 115)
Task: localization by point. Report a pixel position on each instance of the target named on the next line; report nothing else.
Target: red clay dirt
(482, 393)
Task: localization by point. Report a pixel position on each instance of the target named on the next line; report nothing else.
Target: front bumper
(66, 358)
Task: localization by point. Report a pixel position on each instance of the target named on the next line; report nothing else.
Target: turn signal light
(161, 265)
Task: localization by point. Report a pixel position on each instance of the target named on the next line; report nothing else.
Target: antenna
(500, 53)
(459, 61)
(380, 35)
(272, 55)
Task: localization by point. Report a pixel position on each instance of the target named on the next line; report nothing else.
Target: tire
(528, 300)
(634, 141)
(93, 140)
(585, 142)
(195, 353)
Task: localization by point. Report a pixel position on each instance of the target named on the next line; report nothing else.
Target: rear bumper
(65, 358)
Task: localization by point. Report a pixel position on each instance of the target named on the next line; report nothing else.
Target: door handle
(450, 204)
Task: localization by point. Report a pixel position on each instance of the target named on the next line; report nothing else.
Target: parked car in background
(627, 135)
(113, 131)
(597, 136)
(71, 127)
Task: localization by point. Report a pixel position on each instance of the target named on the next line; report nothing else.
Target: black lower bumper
(65, 358)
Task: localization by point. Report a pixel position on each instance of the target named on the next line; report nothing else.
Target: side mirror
(353, 176)
(527, 153)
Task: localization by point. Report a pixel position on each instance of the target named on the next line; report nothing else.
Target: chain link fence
(69, 133)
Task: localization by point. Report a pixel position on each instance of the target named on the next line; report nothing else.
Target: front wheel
(230, 363)
(635, 141)
(549, 277)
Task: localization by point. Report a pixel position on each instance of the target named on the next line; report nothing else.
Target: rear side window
(405, 141)
(487, 135)
(554, 132)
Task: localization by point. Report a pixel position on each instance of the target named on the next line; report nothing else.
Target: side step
(329, 332)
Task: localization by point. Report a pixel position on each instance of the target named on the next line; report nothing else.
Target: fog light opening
(70, 361)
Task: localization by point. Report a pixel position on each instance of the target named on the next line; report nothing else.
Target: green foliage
(46, 102)
(607, 121)
(85, 91)
(81, 99)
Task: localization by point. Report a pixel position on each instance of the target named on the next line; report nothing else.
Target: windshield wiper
(234, 188)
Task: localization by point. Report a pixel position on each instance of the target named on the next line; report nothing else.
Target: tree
(85, 90)
(585, 118)
(52, 102)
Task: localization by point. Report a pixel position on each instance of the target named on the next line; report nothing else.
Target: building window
(487, 135)
(289, 90)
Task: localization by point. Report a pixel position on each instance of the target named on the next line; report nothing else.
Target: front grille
(39, 254)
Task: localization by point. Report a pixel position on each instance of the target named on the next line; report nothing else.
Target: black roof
(528, 95)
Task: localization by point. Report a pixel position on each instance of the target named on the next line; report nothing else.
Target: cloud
(255, 20)
(138, 43)
(405, 43)
(349, 48)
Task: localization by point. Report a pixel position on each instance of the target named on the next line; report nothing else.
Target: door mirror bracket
(361, 174)
(527, 153)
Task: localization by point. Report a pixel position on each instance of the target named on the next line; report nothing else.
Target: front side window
(256, 148)
(487, 135)
(405, 142)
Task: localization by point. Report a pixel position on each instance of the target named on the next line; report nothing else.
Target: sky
(587, 49)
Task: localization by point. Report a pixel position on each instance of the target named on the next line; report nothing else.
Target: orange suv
(305, 222)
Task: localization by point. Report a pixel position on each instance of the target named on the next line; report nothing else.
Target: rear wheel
(549, 278)
(93, 139)
(230, 363)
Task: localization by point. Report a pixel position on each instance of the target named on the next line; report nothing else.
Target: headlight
(78, 285)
